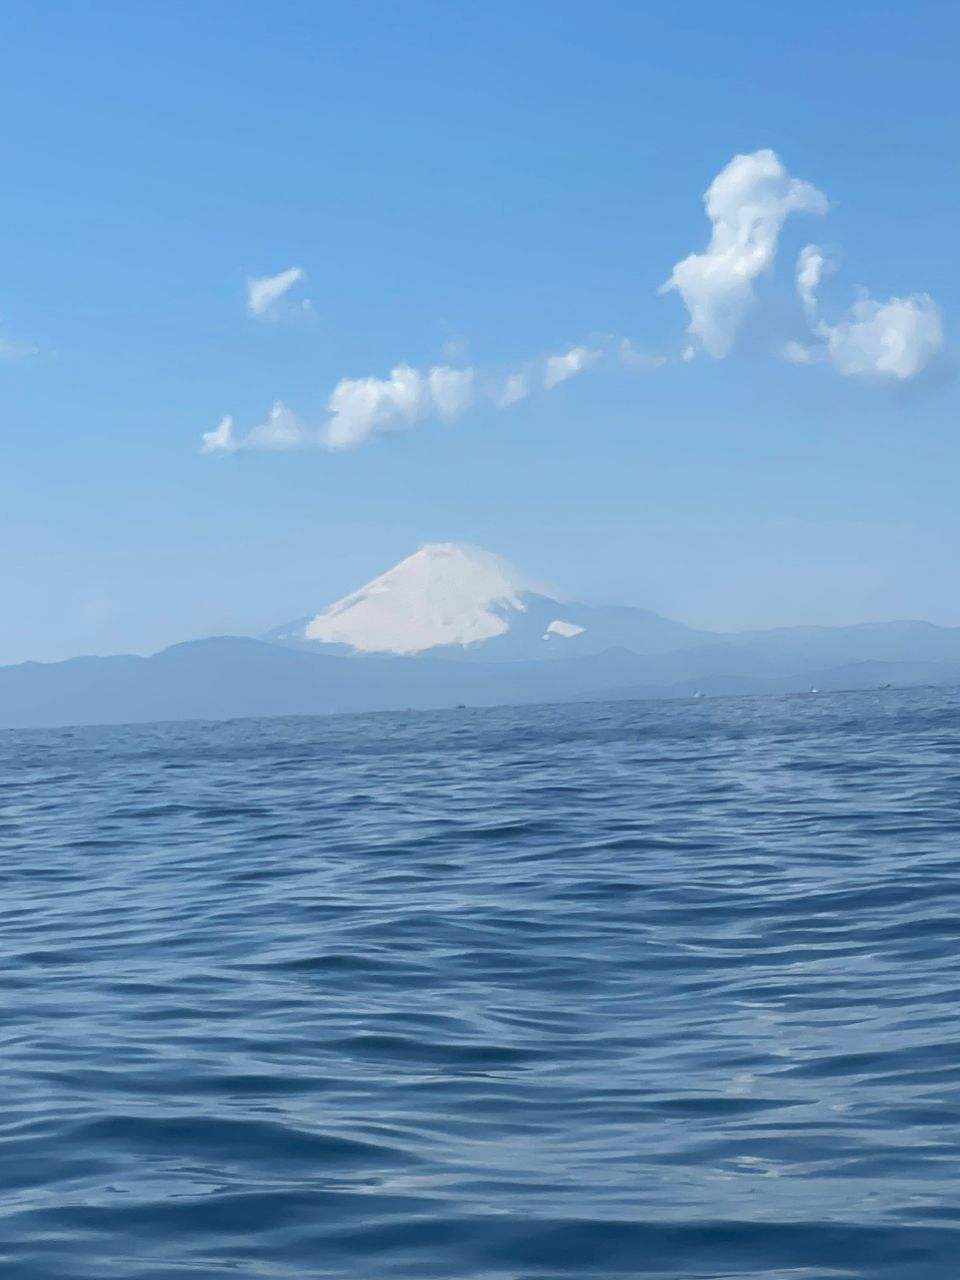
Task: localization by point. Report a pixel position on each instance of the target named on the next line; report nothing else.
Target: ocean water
(642, 990)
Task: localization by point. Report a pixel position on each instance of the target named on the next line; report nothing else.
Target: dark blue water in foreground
(659, 990)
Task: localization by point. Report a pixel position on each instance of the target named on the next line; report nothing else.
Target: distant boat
(698, 694)
(813, 689)
(885, 686)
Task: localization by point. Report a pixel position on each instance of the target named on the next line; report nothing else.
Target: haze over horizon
(256, 346)
(455, 598)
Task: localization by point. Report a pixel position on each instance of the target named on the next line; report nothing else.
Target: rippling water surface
(662, 990)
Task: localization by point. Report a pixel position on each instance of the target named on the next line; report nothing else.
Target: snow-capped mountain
(453, 626)
(458, 601)
(444, 594)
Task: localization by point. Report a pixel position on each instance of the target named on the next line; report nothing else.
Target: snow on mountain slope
(454, 601)
(444, 594)
(565, 629)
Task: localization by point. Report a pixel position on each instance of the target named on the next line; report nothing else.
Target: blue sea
(663, 990)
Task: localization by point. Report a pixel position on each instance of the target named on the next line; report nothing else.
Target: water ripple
(661, 990)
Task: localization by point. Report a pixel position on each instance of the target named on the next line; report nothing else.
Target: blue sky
(475, 188)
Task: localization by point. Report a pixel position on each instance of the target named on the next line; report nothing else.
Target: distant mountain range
(451, 625)
(459, 602)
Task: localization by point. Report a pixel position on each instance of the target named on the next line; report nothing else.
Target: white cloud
(639, 359)
(812, 266)
(360, 406)
(450, 391)
(264, 292)
(282, 430)
(747, 204)
(454, 348)
(797, 353)
(896, 338)
(10, 350)
(221, 439)
(557, 369)
(515, 388)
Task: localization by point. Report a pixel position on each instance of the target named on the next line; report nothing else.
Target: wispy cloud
(629, 354)
(281, 430)
(11, 351)
(799, 353)
(747, 205)
(454, 349)
(221, 439)
(264, 292)
(516, 387)
(359, 408)
(812, 266)
(557, 369)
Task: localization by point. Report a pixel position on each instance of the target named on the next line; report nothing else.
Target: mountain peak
(459, 601)
(459, 556)
(444, 594)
